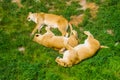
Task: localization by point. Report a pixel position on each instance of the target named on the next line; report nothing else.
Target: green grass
(38, 62)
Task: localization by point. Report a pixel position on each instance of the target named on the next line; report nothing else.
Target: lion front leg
(38, 27)
(34, 30)
(60, 61)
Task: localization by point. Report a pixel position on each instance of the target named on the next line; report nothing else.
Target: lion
(49, 39)
(51, 20)
(80, 52)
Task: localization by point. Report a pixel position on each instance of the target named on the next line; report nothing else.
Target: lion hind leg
(63, 30)
(88, 34)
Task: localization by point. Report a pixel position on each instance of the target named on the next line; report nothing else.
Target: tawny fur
(89, 5)
(76, 20)
(51, 20)
(18, 2)
(48, 39)
(80, 52)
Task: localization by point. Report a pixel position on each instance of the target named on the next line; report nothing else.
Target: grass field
(36, 62)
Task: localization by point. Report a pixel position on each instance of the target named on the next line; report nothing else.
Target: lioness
(48, 39)
(51, 20)
(80, 52)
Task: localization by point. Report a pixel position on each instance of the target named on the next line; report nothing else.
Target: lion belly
(52, 24)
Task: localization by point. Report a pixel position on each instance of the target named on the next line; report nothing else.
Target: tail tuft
(104, 47)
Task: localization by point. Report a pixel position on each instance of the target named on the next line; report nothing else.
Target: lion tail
(104, 46)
